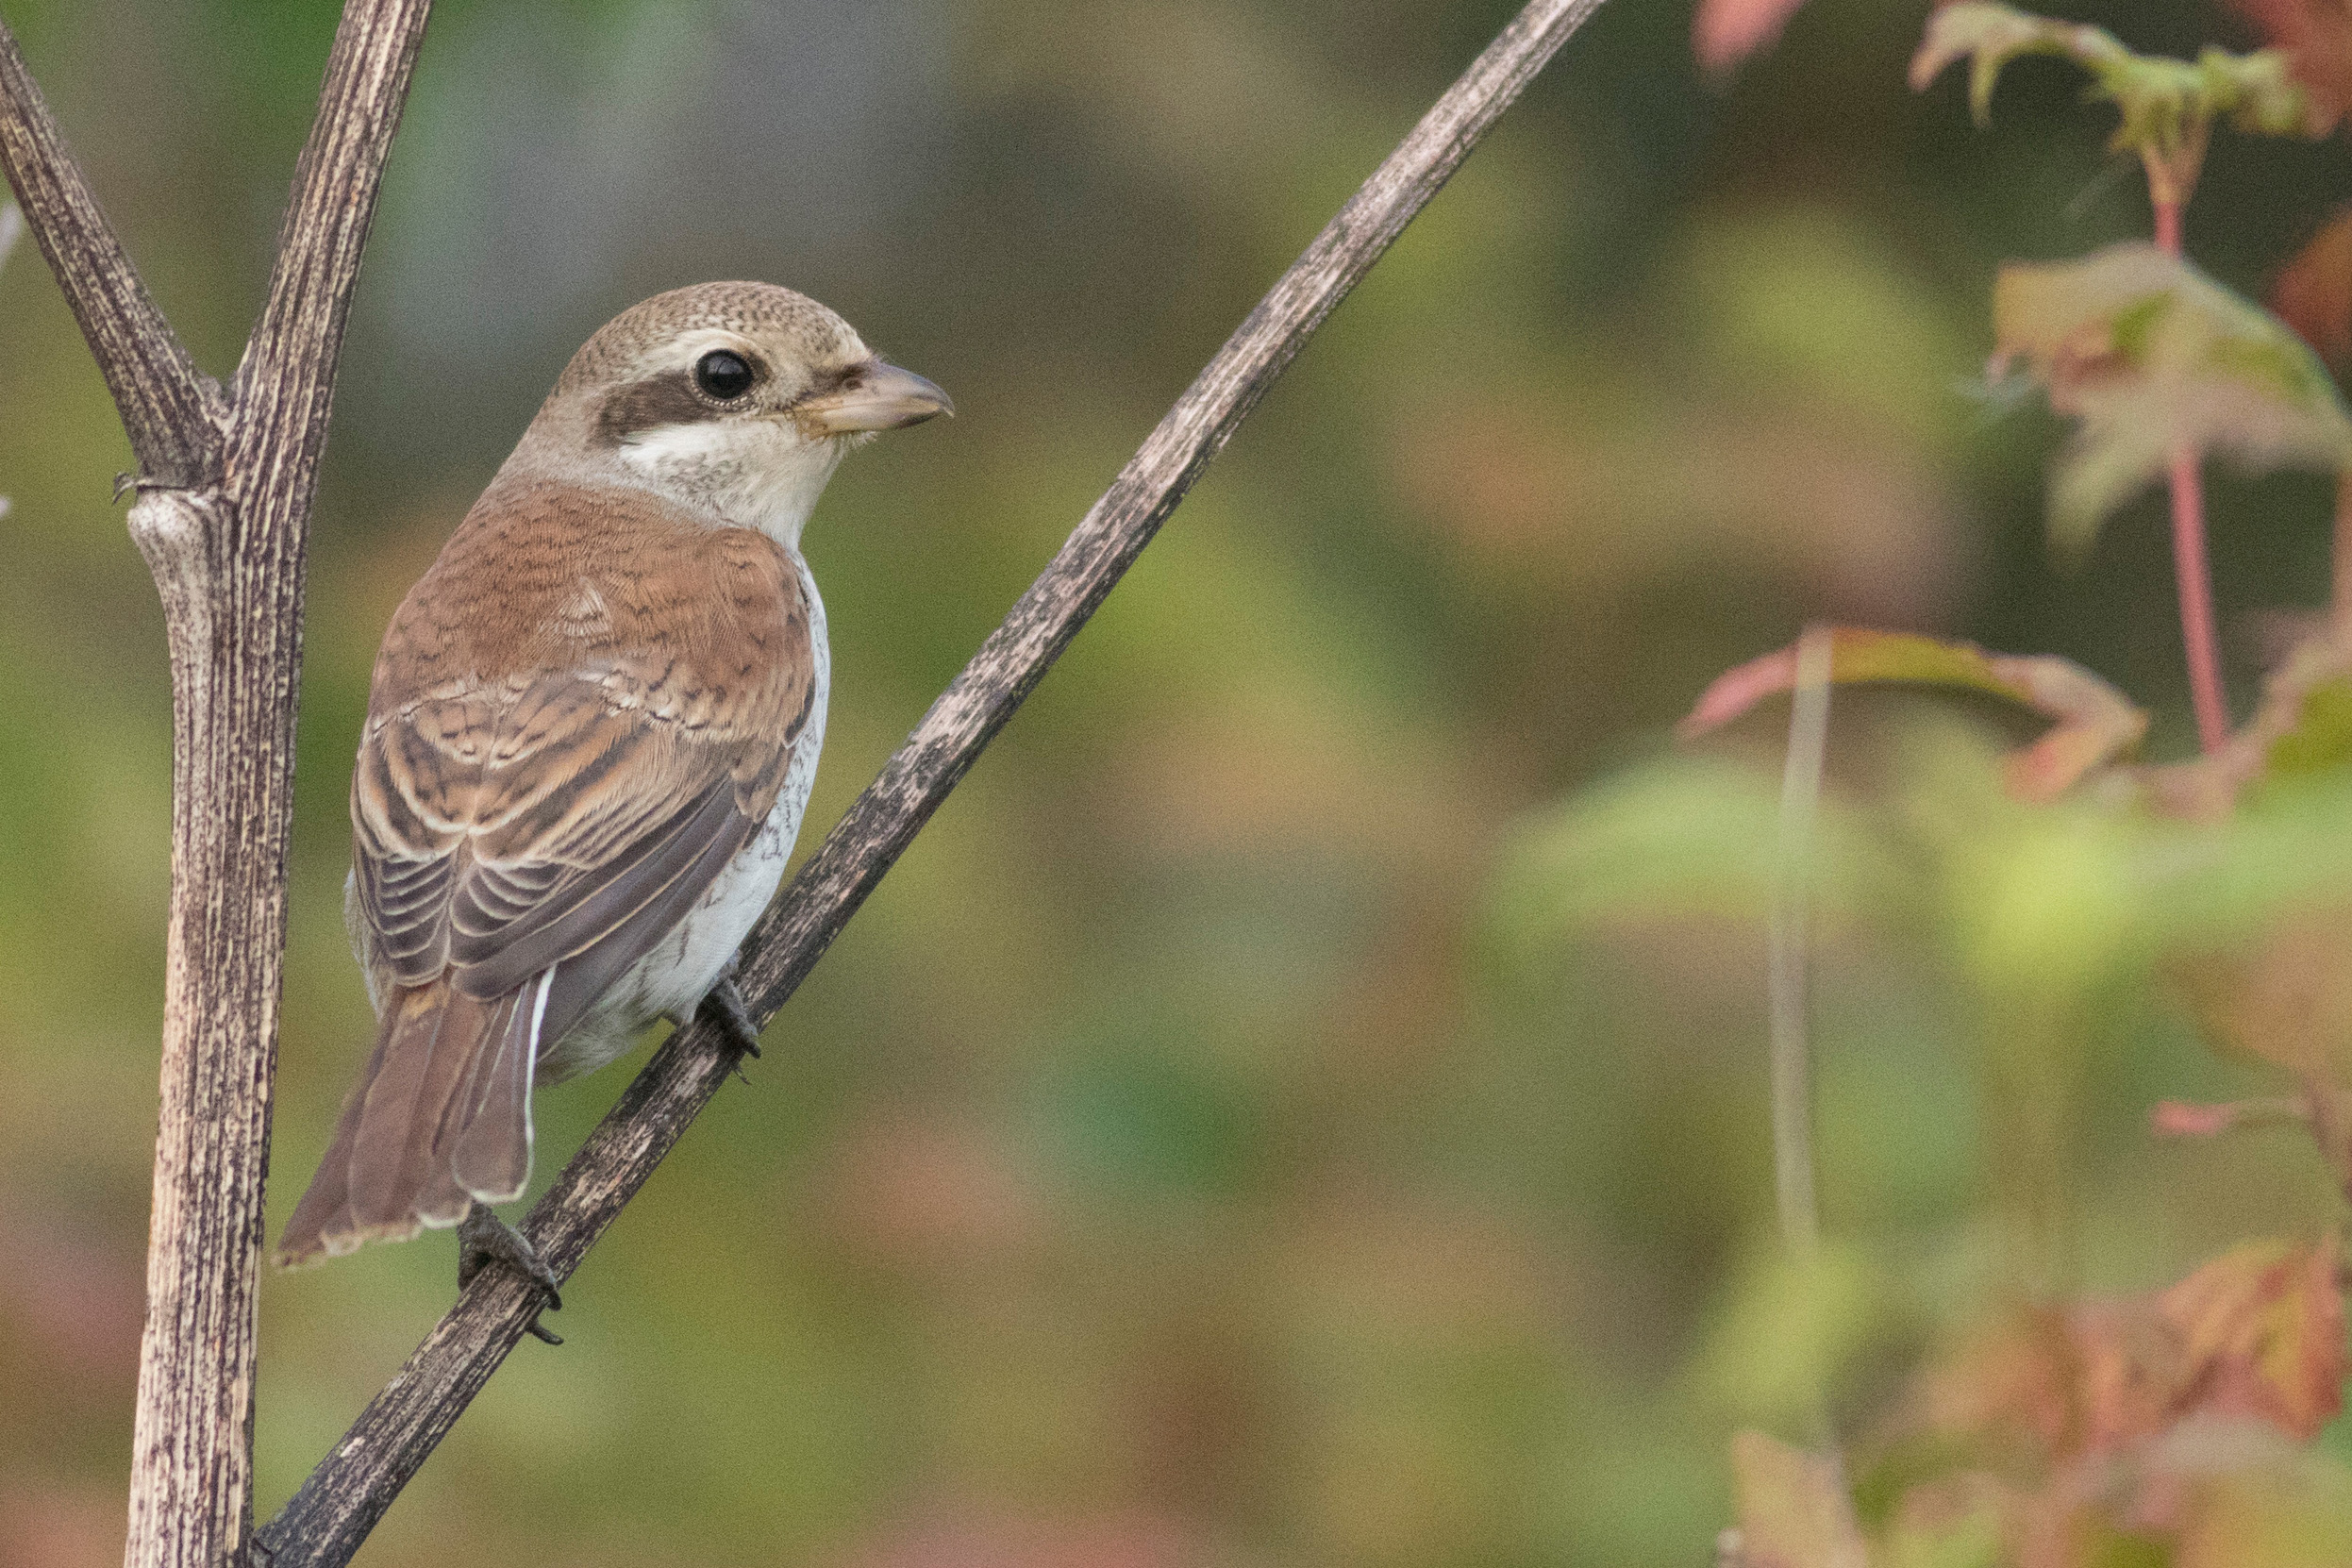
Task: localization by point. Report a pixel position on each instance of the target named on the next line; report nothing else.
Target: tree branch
(171, 411)
(341, 1502)
(286, 380)
(223, 525)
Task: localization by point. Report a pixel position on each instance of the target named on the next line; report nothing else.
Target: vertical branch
(222, 521)
(229, 564)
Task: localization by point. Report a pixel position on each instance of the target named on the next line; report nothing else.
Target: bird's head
(736, 399)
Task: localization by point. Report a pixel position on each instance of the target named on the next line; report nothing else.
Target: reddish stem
(2196, 601)
(2189, 572)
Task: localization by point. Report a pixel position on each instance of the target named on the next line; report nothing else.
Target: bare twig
(222, 521)
(172, 410)
(343, 1497)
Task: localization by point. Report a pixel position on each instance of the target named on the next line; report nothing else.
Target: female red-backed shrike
(590, 740)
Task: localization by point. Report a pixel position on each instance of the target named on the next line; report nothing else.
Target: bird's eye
(723, 375)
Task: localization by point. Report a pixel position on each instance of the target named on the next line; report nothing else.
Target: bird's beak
(876, 396)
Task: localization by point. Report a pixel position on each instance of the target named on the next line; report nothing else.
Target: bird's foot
(725, 1007)
(484, 1238)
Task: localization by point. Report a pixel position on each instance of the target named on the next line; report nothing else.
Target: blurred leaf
(2166, 104)
(2322, 737)
(2263, 1326)
(2257, 1334)
(2301, 736)
(2285, 998)
(2152, 355)
(1724, 32)
(2095, 721)
(2312, 292)
(1793, 1511)
(1990, 36)
(1679, 838)
(1789, 1332)
(1952, 1522)
(2316, 37)
(2252, 1501)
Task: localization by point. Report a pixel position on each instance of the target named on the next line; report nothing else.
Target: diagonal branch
(336, 1507)
(172, 410)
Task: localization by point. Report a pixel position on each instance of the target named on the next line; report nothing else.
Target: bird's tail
(440, 1117)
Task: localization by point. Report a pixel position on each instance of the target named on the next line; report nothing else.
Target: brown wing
(580, 715)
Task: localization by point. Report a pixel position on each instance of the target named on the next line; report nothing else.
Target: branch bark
(223, 519)
(342, 1500)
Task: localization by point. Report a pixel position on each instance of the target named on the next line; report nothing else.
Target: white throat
(751, 473)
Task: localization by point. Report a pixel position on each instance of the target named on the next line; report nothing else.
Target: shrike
(590, 740)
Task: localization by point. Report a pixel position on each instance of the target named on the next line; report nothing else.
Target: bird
(591, 734)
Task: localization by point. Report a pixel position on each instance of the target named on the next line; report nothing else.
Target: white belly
(673, 978)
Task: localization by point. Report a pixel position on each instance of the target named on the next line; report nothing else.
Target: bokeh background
(1288, 1107)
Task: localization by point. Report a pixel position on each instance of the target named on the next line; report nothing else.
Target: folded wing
(524, 834)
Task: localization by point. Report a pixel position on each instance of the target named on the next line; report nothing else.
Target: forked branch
(223, 522)
(343, 1497)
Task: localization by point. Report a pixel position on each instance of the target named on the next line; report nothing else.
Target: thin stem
(2196, 602)
(2167, 226)
(2168, 195)
(1789, 940)
(1792, 917)
(336, 1507)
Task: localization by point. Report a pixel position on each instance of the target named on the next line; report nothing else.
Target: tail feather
(490, 1149)
(437, 1120)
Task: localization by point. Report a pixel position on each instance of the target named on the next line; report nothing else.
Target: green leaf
(2152, 356)
(1991, 35)
(2167, 104)
(2320, 739)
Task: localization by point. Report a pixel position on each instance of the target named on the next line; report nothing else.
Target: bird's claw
(484, 1238)
(724, 1006)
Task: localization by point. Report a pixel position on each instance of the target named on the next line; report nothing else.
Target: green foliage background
(1206, 1148)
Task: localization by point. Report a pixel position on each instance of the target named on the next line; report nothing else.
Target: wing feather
(559, 801)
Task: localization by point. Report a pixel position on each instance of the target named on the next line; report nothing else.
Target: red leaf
(2256, 1334)
(2312, 292)
(2095, 721)
(1724, 32)
(2263, 1326)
